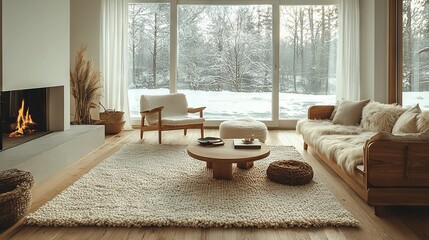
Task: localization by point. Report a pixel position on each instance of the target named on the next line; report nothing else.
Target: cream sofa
(385, 169)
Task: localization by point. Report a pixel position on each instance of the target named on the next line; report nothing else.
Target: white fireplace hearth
(50, 153)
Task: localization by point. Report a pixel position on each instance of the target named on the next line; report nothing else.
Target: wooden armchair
(169, 112)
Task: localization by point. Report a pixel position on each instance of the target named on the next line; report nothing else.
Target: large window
(266, 61)
(308, 47)
(415, 53)
(225, 59)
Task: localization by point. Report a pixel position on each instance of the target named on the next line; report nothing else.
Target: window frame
(395, 52)
(275, 121)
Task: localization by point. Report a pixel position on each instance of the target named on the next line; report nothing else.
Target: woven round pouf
(290, 172)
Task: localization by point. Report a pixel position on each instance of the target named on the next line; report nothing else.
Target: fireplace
(23, 115)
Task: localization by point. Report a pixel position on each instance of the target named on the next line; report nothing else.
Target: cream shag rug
(160, 185)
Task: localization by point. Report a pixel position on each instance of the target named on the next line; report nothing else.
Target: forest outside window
(148, 44)
(414, 77)
(225, 59)
(308, 58)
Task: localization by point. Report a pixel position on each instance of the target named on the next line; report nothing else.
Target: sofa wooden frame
(395, 172)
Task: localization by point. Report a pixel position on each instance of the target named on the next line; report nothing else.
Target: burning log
(24, 122)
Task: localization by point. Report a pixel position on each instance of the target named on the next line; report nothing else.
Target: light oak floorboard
(402, 222)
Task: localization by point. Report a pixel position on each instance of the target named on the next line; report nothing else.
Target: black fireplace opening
(24, 116)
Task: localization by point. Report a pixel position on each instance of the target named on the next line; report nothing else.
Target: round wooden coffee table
(221, 158)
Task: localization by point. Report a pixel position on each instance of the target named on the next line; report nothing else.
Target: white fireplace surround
(35, 53)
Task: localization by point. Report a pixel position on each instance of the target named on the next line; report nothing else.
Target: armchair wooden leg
(141, 133)
(159, 136)
(185, 131)
(305, 146)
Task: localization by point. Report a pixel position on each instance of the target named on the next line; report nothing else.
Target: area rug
(160, 185)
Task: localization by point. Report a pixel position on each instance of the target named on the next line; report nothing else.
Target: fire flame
(23, 122)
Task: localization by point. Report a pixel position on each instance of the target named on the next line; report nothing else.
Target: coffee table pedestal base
(245, 165)
(224, 170)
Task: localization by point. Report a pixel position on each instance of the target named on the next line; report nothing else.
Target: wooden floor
(402, 222)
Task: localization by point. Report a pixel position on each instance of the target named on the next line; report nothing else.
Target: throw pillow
(407, 122)
(335, 110)
(380, 117)
(423, 122)
(349, 113)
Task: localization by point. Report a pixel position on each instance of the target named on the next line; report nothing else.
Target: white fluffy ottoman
(241, 128)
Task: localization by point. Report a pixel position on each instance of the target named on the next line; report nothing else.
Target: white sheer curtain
(114, 49)
(348, 56)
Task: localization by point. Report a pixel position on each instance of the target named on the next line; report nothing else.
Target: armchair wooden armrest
(195, 110)
(320, 111)
(151, 111)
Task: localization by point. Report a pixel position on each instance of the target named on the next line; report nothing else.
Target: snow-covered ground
(412, 98)
(226, 105)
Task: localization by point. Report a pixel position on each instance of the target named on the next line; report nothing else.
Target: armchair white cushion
(172, 110)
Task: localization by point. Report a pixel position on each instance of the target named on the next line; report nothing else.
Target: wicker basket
(15, 196)
(290, 172)
(113, 121)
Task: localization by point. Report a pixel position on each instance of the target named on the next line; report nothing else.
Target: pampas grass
(85, 84)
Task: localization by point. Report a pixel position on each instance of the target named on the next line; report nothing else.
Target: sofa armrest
(396, 163)
(320, 111)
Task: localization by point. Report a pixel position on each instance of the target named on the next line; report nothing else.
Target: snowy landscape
(228, 105)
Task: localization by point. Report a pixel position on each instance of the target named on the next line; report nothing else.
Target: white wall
(36, 51)
(85, 29)
(35, 43)
(374, 49)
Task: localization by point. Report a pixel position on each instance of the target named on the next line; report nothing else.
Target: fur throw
(380, 117)
(344, 144)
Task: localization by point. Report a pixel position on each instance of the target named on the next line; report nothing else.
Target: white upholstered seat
(169, 112)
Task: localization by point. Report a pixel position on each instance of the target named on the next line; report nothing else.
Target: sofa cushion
(407, 122)
(387, 136)
(349, 113)
(423, 122)
(380, 117)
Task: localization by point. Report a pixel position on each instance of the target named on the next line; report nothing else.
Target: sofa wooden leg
(381, 211)
(141, 133)
(305, 146)
(159, 136)
(185, 131)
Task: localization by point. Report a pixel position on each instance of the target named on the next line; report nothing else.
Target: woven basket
(112, 116)
(15, 196)
(290, 172)
(113, 121)
(113, 128)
